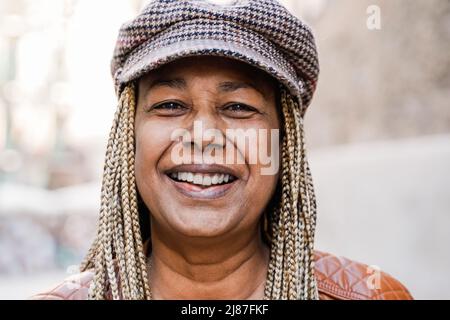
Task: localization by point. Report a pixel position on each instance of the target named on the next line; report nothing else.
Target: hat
(261, 33)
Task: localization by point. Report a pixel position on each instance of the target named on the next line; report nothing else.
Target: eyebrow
(176, 83)
(230, 86)
(224, 87)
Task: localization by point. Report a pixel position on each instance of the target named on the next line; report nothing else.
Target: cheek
(263, 180)
(259, 144)
(262, 154)
(261, 186)
(152, 140)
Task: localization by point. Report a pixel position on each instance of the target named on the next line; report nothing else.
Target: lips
(203, 181)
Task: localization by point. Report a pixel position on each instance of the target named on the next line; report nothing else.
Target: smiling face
(203, 200)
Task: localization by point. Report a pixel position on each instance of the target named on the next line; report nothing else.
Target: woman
(191, 76)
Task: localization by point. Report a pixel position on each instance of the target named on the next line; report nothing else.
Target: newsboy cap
(262, 33)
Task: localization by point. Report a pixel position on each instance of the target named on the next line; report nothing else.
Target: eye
(240, 110)
(168, 108)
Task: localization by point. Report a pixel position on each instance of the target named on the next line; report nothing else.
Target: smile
(202, 181)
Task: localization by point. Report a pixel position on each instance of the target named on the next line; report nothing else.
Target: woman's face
(196, 198)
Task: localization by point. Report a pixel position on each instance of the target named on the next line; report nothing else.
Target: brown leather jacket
(338, 278)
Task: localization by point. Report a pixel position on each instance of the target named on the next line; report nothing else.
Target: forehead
(213, 66)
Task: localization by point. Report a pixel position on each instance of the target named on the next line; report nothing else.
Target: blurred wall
(381, 84)
(386, 203)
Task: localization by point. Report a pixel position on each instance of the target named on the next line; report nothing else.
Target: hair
(287, 225)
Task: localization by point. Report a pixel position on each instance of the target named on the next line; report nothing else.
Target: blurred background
(378, 134)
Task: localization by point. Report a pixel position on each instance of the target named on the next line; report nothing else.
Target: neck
(228, 267)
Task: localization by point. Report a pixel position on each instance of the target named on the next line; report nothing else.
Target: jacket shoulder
(339, 278)
(75, 287)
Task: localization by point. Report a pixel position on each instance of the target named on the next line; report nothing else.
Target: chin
(202, 222)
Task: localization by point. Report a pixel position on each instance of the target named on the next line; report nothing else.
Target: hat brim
(250, 48)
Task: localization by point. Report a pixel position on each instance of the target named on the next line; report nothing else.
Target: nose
(205, 130)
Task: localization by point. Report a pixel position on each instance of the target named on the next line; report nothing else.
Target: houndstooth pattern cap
(262, 33)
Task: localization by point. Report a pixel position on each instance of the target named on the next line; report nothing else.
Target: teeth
(206, 180)
(202, 179)
(198, 178)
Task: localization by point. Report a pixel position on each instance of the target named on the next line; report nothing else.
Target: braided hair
(288, 224)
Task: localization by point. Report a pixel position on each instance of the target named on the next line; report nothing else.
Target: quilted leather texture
(338, 278)
(75, 287)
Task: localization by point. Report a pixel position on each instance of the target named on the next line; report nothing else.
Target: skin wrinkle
(215, 281)
(205, 249)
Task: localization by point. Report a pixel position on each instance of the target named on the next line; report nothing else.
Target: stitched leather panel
(344, 279)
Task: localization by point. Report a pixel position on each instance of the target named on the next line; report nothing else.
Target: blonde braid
(99, 287)
(120, 248)
(125, 196)
(310, 218)
(134, 216)
(290, 223)
(294, 234)
(288, 206)
(295, 225)
(117, 252)
(116, 210)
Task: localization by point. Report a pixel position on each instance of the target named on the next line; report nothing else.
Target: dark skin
(203, 247)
